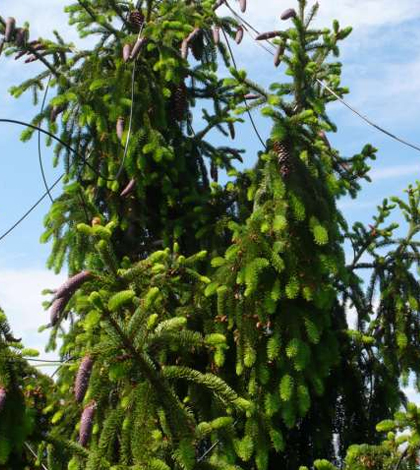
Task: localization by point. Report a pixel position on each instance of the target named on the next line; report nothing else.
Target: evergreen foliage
(204, 323)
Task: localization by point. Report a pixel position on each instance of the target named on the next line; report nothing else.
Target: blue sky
(381, 66)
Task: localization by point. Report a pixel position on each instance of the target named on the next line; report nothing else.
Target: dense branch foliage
(204, 322)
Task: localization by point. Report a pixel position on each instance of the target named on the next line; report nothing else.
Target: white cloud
(21, 299)
(397, 171)
(357, 13)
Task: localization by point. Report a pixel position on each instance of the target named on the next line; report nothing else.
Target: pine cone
(239, 35)
(284, 157)
(128, 189)
(184, 49)
(55, 111)
(126, 52)
(86, 424)
(136, 19)
(197, 45)
(3, 396)
(180, 102)
(216, 34)
(57, 309)
(120, 127)
(242, 5)
(21, 37)
(214, 172)
(72, 284)
(279, 54)
(289, 13)
(267, 35)
(1, 45)
(10, 29)
(137, 48)
(82, 378)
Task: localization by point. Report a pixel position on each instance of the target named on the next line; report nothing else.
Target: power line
(246, 104)
(326, 87)
(41, 164)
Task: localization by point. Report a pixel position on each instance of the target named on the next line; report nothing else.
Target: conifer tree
(204, 323)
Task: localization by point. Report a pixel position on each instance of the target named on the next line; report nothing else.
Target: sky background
(381, 66)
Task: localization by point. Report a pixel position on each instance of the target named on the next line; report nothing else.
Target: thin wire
(32, 208)
(332, 92)
(246, 104)
(366, 119)
(210, 449)
(35, 455)
(41, 165)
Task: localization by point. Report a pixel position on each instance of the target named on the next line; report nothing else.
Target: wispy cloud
(21, 299)
(391, 172)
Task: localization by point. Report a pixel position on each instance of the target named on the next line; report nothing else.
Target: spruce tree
(204, 322)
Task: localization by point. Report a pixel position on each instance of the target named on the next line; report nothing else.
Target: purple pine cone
(239, 35)
(287, 14)
(126, 52)
(129, 188)
(3, 396)
(86, 424)
(21, 37)
(268, 35)
(279, 55)
(184, 49)
(57, 309)
(72, 284)
(120, 127)
(10, 29)
(55, 111)
(82, 378)
(216, 34)
(137, 48)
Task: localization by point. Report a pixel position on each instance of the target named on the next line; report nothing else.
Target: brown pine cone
(180, 102)
(136, 19)
(282, 150)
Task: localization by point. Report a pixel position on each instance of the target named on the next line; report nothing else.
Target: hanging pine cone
(284, 157)
(137, 48)
(86, 424)
(239, 35)
(180, 102)
(136, 19)
(214, 172)
(21, 37)
(279, 54)
(129, 188)
(3, 395)
(197, 45)
(126, 52)
(216, 35)
(10, 29)
(82, 378)
(120, 127)
(55, 111)
(289, 13)
(57, 308)
(72, 284)
(184, 49)
(242, 5)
